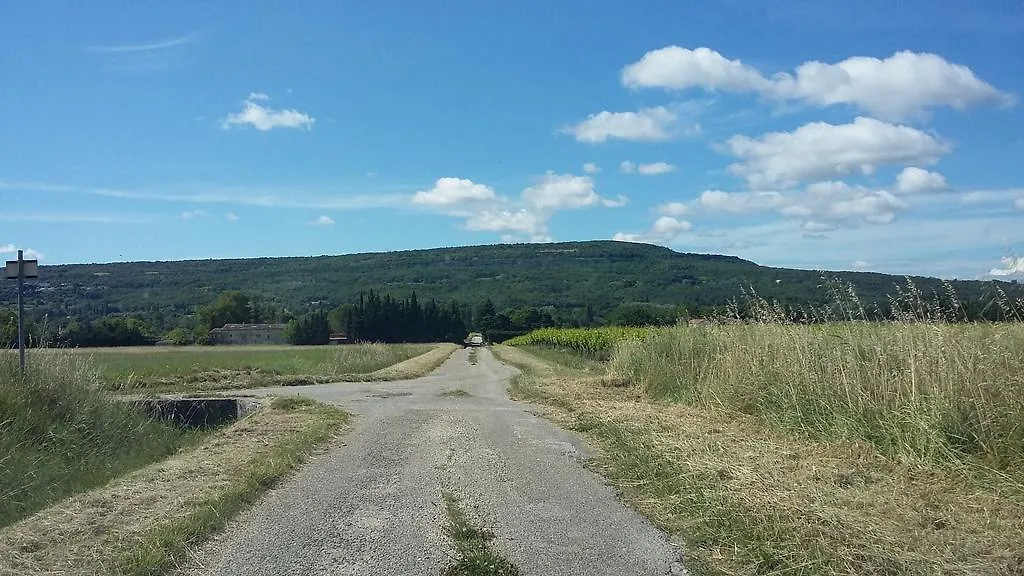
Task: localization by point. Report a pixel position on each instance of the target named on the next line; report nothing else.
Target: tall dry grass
(60, 433)
(919, 387)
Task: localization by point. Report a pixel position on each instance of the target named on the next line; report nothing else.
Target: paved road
(372, 503)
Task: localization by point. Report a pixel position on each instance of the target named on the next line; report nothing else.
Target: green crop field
(201, 367)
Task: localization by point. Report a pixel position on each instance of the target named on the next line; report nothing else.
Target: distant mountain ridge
(565, 275)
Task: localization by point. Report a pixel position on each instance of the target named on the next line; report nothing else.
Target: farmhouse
(248, 334)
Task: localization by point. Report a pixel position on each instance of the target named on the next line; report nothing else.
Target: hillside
(572, 275)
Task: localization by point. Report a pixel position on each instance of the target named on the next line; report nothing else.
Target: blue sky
(867, 135)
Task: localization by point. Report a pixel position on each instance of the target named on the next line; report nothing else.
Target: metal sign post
(21, 269)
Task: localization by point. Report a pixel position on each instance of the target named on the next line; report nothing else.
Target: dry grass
(143, 522)
(941, 392)
(750, 498)
(412, 368)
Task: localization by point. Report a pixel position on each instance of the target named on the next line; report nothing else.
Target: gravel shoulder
(372, 504)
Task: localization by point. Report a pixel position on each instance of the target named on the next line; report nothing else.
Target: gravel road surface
(372, 503)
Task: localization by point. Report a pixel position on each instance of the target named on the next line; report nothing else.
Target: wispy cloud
(147, 56)
(232, 217)
(193, 214)
(147, 47)
(323, 221)
(75, 218)
(328, 198)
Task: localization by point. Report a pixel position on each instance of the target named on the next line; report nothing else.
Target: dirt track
(372, 503)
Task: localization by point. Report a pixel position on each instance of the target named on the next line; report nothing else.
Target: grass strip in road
(410, 369)
(455, 393)
(144, 523)
(750, 498)
(476, 558)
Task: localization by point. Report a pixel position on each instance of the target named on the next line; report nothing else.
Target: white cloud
(264, 118)
(673, 209)
(861, 264)
(449, 191)
(664, 230)
(591, 168)
(648, 124)
(678, 68)
(821, 206)
(913, 179)
(521, 221)
(1019, 203)
(565, 191)
(231, 217)
(1011, 267)
(627, 167)
(903, 85)
(146, 47)
(323, 221)
(28, 253)
(655, 168)
(192, 214)
(820, 150)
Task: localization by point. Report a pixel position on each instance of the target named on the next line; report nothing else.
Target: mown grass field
(846, 448)
(217, 367)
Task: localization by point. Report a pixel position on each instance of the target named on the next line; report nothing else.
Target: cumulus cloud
(913, 179)
(1012, 266)
(591, 168)
(323, 221)
(1019, 204)
(664, 230)
(679, 68)
(451, 191)
(192, 214)
(648, 124)
(673, 209)
(900, 86)
(627, 167)
(231, 217)
(655, 168)
(522, 218)
(821, 206)
(565, 191)
(264, 118)
(819, 150)
(520, 221)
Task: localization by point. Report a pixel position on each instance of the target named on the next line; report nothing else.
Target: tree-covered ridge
(575, 282)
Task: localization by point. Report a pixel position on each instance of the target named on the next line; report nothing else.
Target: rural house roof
(253, 327)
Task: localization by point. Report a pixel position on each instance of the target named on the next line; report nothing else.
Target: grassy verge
(60, 434)
(144, 523)
(476, 558)
(749, 496)
(226, 367)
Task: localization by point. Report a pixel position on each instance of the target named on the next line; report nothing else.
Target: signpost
(21, 269)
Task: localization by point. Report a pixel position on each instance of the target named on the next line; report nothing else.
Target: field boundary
(144, 522)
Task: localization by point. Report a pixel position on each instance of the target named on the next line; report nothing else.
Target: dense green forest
(573, 283)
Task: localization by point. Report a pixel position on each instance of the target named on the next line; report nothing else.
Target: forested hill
(567, 276)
